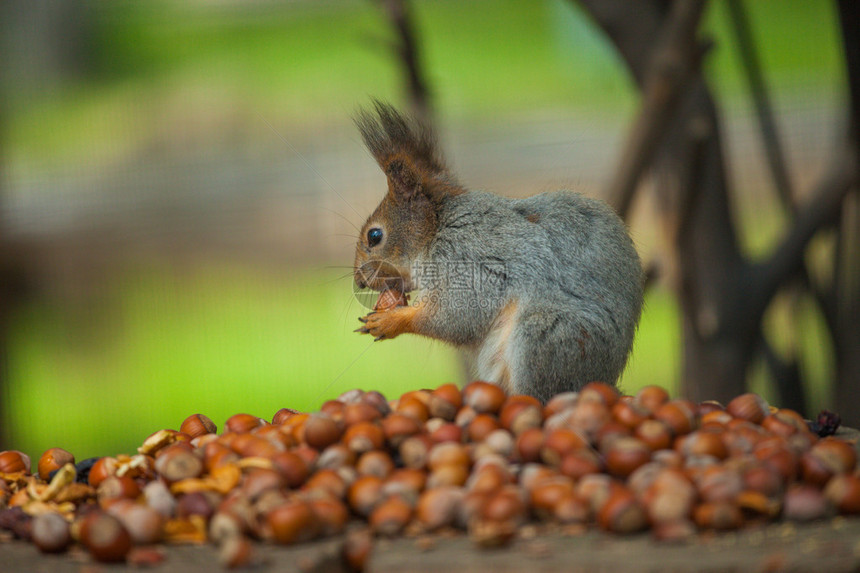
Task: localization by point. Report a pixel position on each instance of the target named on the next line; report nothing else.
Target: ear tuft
(403, 180)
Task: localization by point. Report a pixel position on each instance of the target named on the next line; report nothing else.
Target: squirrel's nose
(359, 279)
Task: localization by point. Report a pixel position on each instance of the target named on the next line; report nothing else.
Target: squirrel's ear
(404, 182)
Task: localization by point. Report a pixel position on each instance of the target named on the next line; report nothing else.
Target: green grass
(218, 340)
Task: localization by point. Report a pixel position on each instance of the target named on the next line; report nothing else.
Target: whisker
(342, 216)
(338, 377)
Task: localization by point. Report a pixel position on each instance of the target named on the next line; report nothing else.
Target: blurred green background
(187, 182)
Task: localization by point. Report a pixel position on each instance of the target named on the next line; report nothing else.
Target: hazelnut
(390, 516)
(260, 480)
(651, 398)
(709, 406)
(414, 451)
(529, 445)
(679, 415)
(464, 416)
(143, 523)
(483, 397)
(507, 503)
(764, 479)
(321, 431)
(596, 490)
(750, 407)
(50, 532)
(530, 474)
(113, 487)
(547, 492)
(223, 526)
(570, 509)
(448, 475)
(589, 417)
(438, 507)
(599, 392)
(177, 463)
(843, 491)
(363, 437)
(489, 533)
(444, 431)
(489, 477)
(448, 453)
(703, 443)
(13, 461)
(406, 482)
(375, 462)
(52, 460)
(625, 455)
(445, 401)
(328, 481)
(292, 467)
(671, 531)
(399, 426)
(159, 498)
(356, 412)
(805, 503)
(105, 537)
(719, 483)
(283, 415)
(336, 456)
(499, 442)
(775, 454)
(357, 548)
(715, 418)
(608, 432)
(242, 423)
(655, 433)
(364, 493)
(292, 522)
(629, 414)
(622, 513)
(378, 401)
(198, 425)
(481, 426)
(331, 514)
(100, 470)
(520, 413)
(236, 552)
(559, 403)
(195, 503)
(720, 515)
(411, 405)
(560, 442)
(390, 298)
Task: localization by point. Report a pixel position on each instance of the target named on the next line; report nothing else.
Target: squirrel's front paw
(389, 323)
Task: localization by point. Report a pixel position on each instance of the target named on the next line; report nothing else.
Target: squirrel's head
(405, 222)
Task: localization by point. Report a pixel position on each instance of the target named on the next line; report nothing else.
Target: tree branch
(407, 52)
(820, 211)
(674, 61)
(761, 99)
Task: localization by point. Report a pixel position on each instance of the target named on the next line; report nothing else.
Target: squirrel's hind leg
(556, 351)
(493, 360)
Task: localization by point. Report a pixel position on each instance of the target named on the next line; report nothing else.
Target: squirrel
(543, 294)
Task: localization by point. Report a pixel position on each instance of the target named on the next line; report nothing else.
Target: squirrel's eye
(374, 236)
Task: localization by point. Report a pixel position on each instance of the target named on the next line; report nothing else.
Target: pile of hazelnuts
(472, 459)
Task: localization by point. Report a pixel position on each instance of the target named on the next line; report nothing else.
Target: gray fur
(573, 274)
